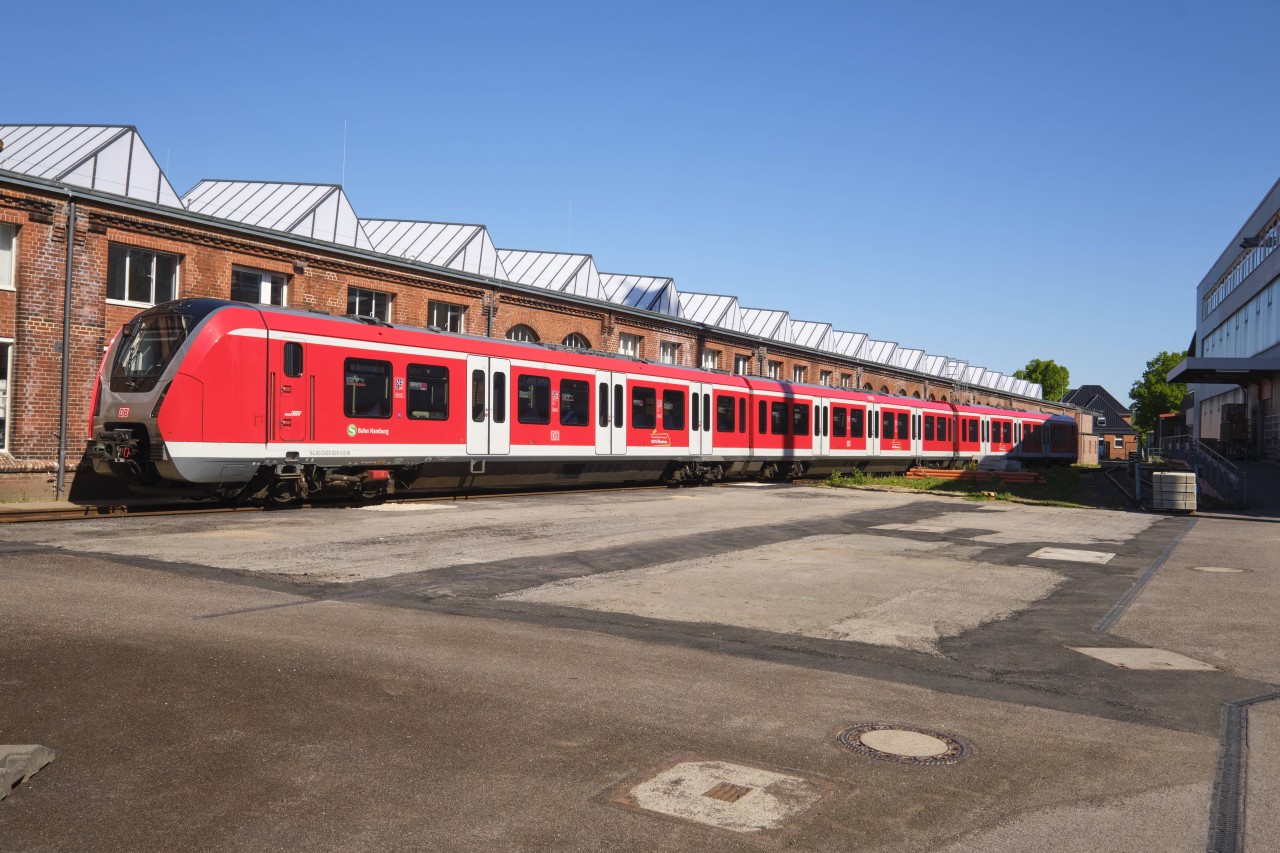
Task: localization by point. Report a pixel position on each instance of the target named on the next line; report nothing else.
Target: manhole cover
(903, 744)
(1217, 569)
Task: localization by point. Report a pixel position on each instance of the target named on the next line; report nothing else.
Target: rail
(1226, 480)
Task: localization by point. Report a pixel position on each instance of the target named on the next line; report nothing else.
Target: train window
(673, 409)
(644, 408)
(724, 414)
(826, 414)
(778, 418)
(800, 419)
(888, 425)
(603, 403)
(928, 427)
(706, 412)
(477, 395)
(1007, 431)
(855, 423)
(533, 404)
(817, 420)
(839, 417)
(619, 414)
(368, 388)
(973, 430)
(742, 414)
(695, 419)
(428, 395)
(292, 359)
(942, 428)
(575, 402)
(904, 429)
(764, 418)
(499, 398)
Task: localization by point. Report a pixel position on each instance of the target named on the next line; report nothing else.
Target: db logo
(351, 429)
(123, 413)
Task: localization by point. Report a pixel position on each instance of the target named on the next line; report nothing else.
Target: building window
(799, 374)
(629, 345)
(846, 380)
(576, 341)
(444, 315)
(141, 275)
(6, 370)
(1119, 444)
(8, 234)
(775, 370)
(262, 288)
(369, 303)
(824, 378)
(741, 365)
(1101, 421)
(669, 352)
(522, 333)
(710, 360)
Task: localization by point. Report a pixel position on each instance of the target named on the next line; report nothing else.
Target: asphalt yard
(735, 668)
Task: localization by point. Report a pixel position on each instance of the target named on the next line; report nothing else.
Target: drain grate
(903, 744)
(727, 792)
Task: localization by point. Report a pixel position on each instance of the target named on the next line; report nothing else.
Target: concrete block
(20, 763)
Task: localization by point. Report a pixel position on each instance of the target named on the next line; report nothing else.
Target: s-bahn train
(251, 401)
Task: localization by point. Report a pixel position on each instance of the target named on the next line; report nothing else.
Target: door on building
(611, 413)
(488, 427)
(6, 370)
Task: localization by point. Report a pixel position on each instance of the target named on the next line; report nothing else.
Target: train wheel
(372, 492)
(283, 493)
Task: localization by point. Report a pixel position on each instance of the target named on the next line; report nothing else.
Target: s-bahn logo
(123, 412)
(351, 430)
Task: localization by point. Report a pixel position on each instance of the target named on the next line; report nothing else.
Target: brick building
(1112, 422)
(89, 220)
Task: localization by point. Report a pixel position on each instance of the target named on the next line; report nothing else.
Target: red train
(255, 401)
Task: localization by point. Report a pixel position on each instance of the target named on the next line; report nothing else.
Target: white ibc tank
(1175, 490)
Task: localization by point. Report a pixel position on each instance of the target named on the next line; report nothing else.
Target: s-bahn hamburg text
(243, 400)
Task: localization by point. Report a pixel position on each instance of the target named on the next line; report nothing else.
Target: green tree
(1053, 378)
(1154, 395)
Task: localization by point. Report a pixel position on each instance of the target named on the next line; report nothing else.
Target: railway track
(18, 515)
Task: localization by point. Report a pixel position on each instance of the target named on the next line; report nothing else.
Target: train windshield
(147, 346)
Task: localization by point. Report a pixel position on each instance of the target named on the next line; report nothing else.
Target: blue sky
(990, 181)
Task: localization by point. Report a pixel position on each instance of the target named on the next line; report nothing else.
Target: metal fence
(1226, 480)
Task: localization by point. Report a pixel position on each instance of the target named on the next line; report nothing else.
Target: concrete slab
(870, 589)
(1072, 555)
(18, 763)
(1156, 659)
(1262, 814)
(1065, 525)
(712, 793)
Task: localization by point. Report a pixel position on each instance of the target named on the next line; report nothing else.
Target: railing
(1226, 480)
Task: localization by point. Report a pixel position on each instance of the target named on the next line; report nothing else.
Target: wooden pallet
(971, 475)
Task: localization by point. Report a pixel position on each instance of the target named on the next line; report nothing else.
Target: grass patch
(1062, 486)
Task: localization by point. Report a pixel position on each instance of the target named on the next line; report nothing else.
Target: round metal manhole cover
(1222, 570)
(903, 744)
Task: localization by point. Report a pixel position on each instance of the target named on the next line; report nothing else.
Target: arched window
(522, 333)
(933, 398)
(902, 392)
(867, 387)
(915, 394)
(576, 341)
(884, 389)
(944, 398)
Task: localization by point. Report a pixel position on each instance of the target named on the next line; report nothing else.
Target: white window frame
(266, 281)
(629, 345)
(710, 359)
(8, 256)
(669, 352)
(523, 333)
(390, 297)
(846, 380)
(177, 274)
(455, 316)
(799, 373)
(576, 337)
(825, 377)
(774, 370)
(741, 365)
(1118, 443)
(6, 392)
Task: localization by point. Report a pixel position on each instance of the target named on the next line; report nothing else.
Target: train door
(821, 427)
(291, 388)
(873, 429)
(700, 441)
(488, 395)
(984, 428)
(611, 412)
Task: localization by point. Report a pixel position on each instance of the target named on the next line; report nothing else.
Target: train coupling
(117, 445)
